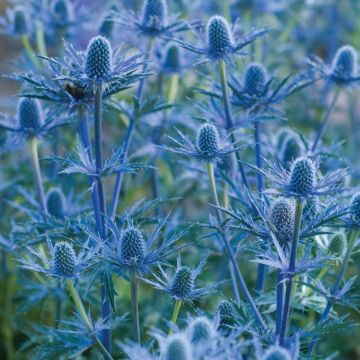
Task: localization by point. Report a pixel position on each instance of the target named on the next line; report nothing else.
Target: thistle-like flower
(56, 203)
(226, 317)
(209, 146)
(182, 285)
(31, 120)
(16, 22)
(201, 330)
(337, 245)
(255, 81)
(99, 64)
(276, 353)
(291, 148)
(303, 180)
(63, 262)
(177, 347)
(303, 176)
(172, 60)
(343, 71)
(222, 41)
(153, 21)
(62, 13)
(128, 249)
(282, 214)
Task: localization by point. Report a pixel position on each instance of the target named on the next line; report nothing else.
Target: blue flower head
(183, 282)
(303, 176)
(21, 21)
(56, 203)
(177, 347)
(208, 140)
(64, 259)
(282, 214)
(201, 330)
(276, 353)
(256, 78)
(63, 13)
(219, 36)
(30, 115)
(154, 14)
(173, 59)
(226, 316)
(337, 245)
(133, 246)
(98, 58)
(344, 65)
(291, 148)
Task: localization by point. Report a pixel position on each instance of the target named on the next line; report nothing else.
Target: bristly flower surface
(222, 41)
(182, 285)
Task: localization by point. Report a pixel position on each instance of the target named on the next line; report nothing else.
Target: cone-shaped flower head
(276, 353)
(226, 315)
(291, 148)
(98, 58)
(29, 114)
(337, 245)
(56, 203)
(345, 65)
(173, 59)
(63, 12)
(208, 140)
(64, 259)
(201, 330)
(355, 209)
(219, 36)
(183, 282)
(303, 176)
(133, 247)
(154, 12)
(255, 80)
(282, 217)
(21, 21)
(177, 348)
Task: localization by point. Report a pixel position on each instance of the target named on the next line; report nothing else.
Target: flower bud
(63, 12)
(29, 114)
(173, 59)
(98, 58)
(182, 283)
(132, 246)
(56, 203)
(208, 140)
(177, 348)
(255, 80)
(219, 36)
(226, 314)
(292, 148)
(64, 259)
(201, 330)
(276, 353)
(345, 65)
(154, 12)
(303, 176)
(282, 215)
(337, 245)
(21, 21)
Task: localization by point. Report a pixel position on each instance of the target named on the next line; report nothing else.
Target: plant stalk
(279, 300)
(29, 51)
(228, 117)
(84, 317)
(135, 306)
(243, 286)
(34, 152)
(175, 315)
(40, 38)
(325, 120)
(291, 269)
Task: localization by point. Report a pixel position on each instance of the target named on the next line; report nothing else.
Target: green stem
(230, 251)
(33, 146)
(135, 306)
(40, 39)
(173, 88)
(175, 315)
(29, 50)
(82, 312)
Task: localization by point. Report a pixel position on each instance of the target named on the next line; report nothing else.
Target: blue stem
(291, 269)
(262, 269)
(279, 300)
(106, 309)
(127, 141)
